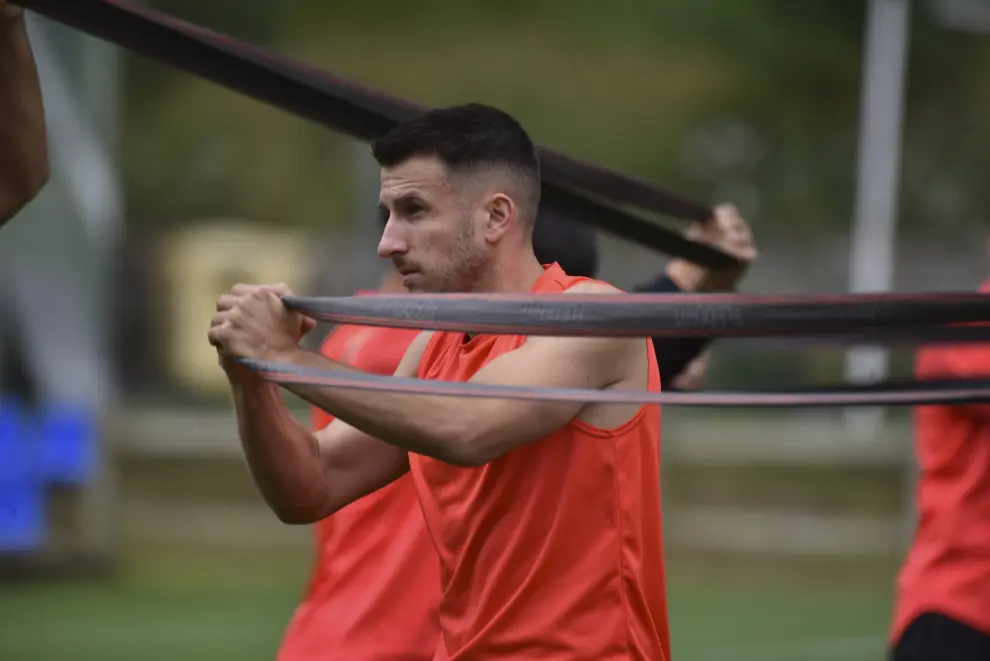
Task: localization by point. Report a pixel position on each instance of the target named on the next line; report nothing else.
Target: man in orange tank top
(545, 516)
(359, 603)
(942, 610)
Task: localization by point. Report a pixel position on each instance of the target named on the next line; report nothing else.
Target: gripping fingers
(242, 289)
(219, 329)
(216, 336)
(227, 302)
(279, 289)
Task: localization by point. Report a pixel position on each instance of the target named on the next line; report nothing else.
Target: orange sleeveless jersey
(554, 550)
(947, 568)
(375, 588)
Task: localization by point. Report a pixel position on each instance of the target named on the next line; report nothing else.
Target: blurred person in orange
(942, 605)
(23, 140)
(375, 586)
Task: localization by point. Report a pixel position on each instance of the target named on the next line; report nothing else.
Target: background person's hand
(694, 376)
(728, 231)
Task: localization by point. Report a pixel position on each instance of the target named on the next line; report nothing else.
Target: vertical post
(101, 97)
(873, 236)
(80, 83)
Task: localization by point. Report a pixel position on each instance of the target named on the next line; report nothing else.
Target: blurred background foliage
(753, 101)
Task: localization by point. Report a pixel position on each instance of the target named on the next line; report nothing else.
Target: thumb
(308, 324)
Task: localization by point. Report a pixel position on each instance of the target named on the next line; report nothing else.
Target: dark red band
(574, 189)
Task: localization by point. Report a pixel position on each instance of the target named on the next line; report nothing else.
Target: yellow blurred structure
(201, 261)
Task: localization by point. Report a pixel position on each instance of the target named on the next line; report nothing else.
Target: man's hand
(9, 12)
(252, 322)
(727, 231)
(694, 376)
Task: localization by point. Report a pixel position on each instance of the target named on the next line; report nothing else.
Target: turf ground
(173, 604)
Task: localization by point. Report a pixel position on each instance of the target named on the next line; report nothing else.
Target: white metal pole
(80, 84)
(873, 236)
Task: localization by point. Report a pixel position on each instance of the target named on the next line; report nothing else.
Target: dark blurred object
(572, 244)
(14, 378)
(138, 336)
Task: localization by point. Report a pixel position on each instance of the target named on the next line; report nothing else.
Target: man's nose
(392, 242)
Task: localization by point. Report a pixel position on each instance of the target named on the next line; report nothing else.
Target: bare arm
(23, 150)
(473, 431)
(728, 231)
(305, 477)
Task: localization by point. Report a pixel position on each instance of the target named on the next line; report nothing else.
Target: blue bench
(55, 445)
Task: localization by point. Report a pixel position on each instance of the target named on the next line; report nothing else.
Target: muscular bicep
(356, 464)
(555, 362)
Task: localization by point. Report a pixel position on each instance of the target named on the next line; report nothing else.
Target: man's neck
(516, 277)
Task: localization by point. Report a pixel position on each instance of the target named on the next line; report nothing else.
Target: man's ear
(501, 214)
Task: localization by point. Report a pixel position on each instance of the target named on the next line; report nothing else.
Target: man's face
(431, 234)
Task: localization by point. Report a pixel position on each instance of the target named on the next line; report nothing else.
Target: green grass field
(170, 605)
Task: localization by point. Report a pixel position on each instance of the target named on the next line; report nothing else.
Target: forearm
(674, 354)
(434, 426)
(23, 150)
(282, 455)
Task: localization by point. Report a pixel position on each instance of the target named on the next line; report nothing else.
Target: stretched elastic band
(890, 393)
(569, 187)
(650, 315)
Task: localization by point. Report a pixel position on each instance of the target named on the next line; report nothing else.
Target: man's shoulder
(421, 352)
(589, 286)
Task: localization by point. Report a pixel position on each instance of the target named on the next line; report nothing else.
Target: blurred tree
(755, 101)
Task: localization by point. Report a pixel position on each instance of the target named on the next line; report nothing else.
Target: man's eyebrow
(405, 198)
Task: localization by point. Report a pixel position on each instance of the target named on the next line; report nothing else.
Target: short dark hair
(463, 137)
(570, 243)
